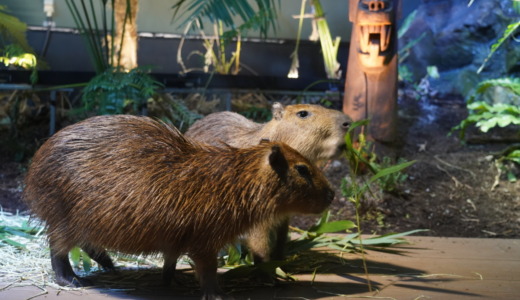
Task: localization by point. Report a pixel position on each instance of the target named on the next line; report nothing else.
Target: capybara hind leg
(170, 262)
(206, 269)
(100, 256)
(280, 240)
(65, 276)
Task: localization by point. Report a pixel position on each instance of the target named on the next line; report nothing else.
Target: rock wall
(457, 39)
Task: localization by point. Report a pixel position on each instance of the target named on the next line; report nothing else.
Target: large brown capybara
(318, 133)
(135, 185)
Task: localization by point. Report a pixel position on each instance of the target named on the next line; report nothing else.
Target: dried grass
(31, 265)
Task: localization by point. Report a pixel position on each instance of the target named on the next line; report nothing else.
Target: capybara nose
(345, 125)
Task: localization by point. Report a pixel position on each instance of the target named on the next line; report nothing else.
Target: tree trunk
(126, 30)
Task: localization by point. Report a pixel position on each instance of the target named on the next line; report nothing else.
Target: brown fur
(135, 185)
(319, 136)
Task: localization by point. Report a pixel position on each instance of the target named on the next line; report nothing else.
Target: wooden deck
(429, 268)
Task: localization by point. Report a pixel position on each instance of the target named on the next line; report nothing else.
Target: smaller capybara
(318, 133)
(135, 185)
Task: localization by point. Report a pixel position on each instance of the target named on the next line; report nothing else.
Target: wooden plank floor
(429, 268)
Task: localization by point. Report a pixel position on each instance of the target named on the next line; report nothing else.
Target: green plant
(329, 48)
(100, 37)
(508, 32)
(12, 30)
(13, 54)
(486, 116)
(320, 235)
(14, 48)
(259, 114)
(116, 92)
(11, 234)
(261, 16)
(216, 56)
(80, 259)
(172, 111)
(356, 193)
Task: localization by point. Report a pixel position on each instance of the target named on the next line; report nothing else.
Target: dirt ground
(451, 190)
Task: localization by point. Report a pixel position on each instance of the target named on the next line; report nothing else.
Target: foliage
(388, 176)
(406, 24)
(505, 163)
(116, 92)
(508, 32)
(362, 158)
(320, 235)
(511, 28)
(14, 48)
(225, 13)
(14, 55)
(404, 51)
(359, 155)
(12, 30)
(80, 259)
(172, 111)
(263, 18)
(486, 116)
(100, 37)
(329, 48)
(11, 235)
(217, 58)
(295, 62)
(259, 114)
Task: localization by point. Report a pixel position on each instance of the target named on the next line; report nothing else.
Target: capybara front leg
(277, 251)
(65, 276)
(170, 262)
(258, 242)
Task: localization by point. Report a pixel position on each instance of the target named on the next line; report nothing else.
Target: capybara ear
(264, 140)
(277, 111)
(277, 161)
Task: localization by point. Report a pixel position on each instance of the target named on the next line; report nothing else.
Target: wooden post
(371, 81)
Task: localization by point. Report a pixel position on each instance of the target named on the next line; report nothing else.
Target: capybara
(316, 132)
(135, 185)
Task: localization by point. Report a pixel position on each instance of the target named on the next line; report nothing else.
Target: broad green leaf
(8, 241)
(406, 24)
(87, 262)
(342, 248)
(390, 170)
(233, 255)
(335, 226)
(16, 231)
(75, 256)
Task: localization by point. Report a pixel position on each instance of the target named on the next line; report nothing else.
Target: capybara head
(304, 185)
(315, 131)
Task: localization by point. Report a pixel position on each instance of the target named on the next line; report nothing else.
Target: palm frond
(261, 16)
(13, 30)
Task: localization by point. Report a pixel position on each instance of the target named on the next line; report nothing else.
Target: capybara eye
(303, 114)
(303, 170)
